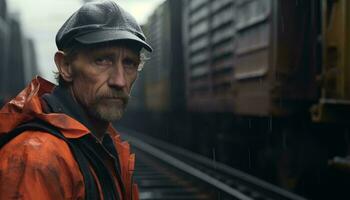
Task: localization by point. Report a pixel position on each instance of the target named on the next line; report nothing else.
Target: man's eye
(130, 64)
(103, 61)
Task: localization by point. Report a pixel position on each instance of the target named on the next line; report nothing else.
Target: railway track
(157, 180)
(164, 171)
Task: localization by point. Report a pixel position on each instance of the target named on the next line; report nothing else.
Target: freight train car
(4, 35)
(16, 62)
(158, 95)
(17, 55)
(164, 82)
(267, 88)
(248, 51)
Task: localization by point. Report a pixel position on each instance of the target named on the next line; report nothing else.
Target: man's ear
(63, 66)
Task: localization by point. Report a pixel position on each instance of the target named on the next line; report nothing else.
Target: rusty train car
(17, 55)
(274, 53)
(266, 87)
(255, 51)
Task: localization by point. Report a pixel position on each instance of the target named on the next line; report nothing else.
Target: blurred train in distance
(17, 55)
(261, 85)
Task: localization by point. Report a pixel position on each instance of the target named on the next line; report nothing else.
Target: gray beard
(107, 112)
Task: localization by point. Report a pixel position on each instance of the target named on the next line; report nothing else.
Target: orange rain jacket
(37, 165)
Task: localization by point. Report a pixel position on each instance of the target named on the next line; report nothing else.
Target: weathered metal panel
(252, 57)
(276, 47)
(253, 39)
(209, 48)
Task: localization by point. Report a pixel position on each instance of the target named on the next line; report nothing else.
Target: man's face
(102, 80)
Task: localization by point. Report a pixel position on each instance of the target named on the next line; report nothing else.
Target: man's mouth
(115, 99)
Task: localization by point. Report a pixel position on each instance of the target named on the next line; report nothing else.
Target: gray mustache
(116, 94)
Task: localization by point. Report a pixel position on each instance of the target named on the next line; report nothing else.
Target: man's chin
(109, 112)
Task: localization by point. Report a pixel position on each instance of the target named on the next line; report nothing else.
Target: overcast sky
(41, 20)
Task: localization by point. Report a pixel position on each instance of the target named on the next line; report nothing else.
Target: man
(56, 142)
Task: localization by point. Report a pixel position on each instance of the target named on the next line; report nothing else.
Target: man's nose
(117, 77)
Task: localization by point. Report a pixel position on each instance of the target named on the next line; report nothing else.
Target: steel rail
(186, 168)
(205, 161)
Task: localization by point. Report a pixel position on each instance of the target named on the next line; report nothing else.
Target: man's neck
(99, 127)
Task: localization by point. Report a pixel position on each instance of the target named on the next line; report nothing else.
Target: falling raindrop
(249, 163)
(214, 158)
(284, 140)
(319, 175)
(260, 82)
(270, 124)
(167, 132)
(346, 136)
(280, 102)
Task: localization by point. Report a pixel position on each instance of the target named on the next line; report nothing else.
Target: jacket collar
(61, 101)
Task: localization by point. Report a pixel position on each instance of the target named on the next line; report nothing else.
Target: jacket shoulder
(38, 164)
(36, 146)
